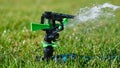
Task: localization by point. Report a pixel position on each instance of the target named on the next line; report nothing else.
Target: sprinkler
(52, 23)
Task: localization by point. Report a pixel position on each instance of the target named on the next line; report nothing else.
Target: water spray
(52, 23)
(86, 14)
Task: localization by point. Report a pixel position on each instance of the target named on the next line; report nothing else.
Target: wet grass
(19, 46)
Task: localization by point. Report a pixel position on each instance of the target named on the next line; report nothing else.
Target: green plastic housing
(35, 26)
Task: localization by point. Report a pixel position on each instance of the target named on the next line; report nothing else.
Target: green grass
(19, 46)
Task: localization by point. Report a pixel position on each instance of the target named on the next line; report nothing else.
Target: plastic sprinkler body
(49, 43)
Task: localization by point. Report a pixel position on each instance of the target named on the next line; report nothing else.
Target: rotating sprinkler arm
(53, 17)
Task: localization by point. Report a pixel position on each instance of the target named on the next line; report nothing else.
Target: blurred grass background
(19, 46)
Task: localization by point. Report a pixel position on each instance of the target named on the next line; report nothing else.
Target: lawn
(19, 45)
